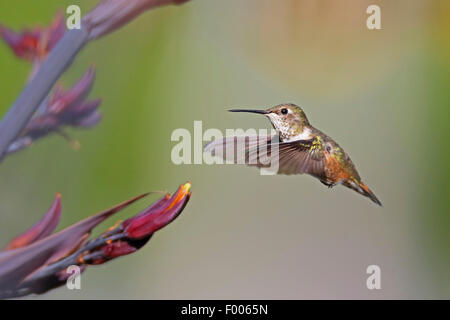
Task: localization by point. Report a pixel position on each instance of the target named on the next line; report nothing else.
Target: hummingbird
(302, 149)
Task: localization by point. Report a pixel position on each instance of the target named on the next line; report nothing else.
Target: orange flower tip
(109, 241)
(58, 195)
(183, 192)
(186, 187)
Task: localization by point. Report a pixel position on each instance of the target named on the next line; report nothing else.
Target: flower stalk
(36, 261)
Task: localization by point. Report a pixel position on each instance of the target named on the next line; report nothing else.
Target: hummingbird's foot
(328, 184)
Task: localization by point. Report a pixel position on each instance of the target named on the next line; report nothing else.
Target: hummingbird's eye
(284, 111)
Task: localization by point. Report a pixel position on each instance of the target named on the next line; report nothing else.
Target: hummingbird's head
(288, 119)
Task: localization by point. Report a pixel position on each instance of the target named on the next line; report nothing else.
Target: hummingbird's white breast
(305, 135)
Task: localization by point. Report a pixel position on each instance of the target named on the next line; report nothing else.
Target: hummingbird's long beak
(250, 110)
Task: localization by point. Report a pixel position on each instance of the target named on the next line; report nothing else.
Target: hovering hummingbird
(301, 149)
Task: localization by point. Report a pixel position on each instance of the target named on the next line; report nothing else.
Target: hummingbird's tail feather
(361, 188)
(365, 191)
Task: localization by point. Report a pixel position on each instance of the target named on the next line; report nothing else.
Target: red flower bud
(158, 215)
(34, 45)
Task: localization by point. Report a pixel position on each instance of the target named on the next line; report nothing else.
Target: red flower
(63, 108)
(36, 261)
(157, 215)
(35, 44)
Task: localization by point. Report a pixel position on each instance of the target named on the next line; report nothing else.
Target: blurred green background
(384, 95)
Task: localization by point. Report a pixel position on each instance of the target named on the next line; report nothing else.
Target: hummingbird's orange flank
(301, 149)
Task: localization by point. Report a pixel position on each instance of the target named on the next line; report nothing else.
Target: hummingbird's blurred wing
(296, 157)
(236, 149)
